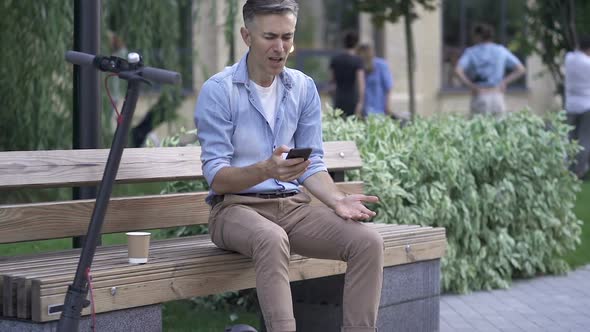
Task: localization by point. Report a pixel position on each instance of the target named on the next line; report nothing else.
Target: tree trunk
(185, 17)
(570, 21)
(569, 33)
(410, 57)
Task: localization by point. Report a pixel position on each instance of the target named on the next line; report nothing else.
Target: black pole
(87, 101)
(77, 292)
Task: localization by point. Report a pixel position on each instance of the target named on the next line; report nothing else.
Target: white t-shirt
(268, 100)
(577, 82)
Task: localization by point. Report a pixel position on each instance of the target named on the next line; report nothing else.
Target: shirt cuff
(209, 171)
(311, 171)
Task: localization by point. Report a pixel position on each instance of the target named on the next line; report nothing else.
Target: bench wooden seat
(32, 286)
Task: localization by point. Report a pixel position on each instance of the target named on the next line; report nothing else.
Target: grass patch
(185, 316)
(582, 209)
(32, 247)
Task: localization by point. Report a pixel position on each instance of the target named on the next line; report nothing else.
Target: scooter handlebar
(79, 58)
(149, 73)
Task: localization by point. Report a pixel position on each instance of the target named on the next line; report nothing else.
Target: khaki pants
(268, 230)
(488, 102)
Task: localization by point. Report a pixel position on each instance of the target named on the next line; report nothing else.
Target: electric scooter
(134, 72)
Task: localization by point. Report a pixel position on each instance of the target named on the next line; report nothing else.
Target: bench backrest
(69, 168)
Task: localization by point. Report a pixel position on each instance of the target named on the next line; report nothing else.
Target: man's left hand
(352, 207)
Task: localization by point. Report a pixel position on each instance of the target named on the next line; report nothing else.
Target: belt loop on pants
(216, 199)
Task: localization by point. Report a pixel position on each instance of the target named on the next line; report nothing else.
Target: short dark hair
(484, 31)
(584, 42)
(266, 7)
(351, 39)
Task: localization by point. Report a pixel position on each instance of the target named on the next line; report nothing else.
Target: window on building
(459, 17)
(320, 29)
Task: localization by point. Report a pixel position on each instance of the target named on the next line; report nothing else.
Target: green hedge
(501, 188)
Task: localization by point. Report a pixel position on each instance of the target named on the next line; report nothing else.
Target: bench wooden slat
(63, 168)
(112, 269)
(23, 298)
(8, 297)
(60, 168)
(20, 286)
(8, 262)
(111, 266)
(111, 276)
(227, 277)
(117, 263)
(164, 249)
(63, 269)
(425, 251)
(39, 221)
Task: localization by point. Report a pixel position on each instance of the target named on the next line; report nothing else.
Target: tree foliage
(147, 26)
(151, 27)
(36, 83)
(230, 26)
(550, 34)
(392, 10)
(551, 30)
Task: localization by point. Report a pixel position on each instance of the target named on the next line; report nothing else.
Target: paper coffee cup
(138, 245)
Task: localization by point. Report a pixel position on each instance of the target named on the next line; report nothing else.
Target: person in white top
(577, 101)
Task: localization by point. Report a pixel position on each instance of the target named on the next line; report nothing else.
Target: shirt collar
(241, 74)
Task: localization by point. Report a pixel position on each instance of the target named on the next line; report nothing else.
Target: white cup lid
(138, 233)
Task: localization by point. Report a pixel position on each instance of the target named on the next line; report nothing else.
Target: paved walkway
(551, 303)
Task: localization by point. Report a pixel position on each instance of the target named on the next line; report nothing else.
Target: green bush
(501, 188)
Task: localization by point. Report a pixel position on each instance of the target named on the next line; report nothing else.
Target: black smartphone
(299, 153)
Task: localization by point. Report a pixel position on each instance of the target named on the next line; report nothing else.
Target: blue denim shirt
(486, 63)
(233, 131)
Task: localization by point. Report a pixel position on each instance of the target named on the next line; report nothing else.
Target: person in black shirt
(349, 78)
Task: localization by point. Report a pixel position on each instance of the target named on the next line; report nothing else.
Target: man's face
(270, 38)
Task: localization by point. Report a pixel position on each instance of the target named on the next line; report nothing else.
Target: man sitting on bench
(247, 117)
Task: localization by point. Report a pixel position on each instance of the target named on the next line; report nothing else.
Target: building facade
(439, 37)
(437, 90)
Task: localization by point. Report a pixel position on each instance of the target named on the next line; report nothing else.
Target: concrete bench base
(140, 319)
(409, 300)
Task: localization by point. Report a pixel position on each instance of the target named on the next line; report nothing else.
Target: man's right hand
(235, 179)
(285, 169)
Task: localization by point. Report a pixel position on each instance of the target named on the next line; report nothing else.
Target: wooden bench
(33, 286)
